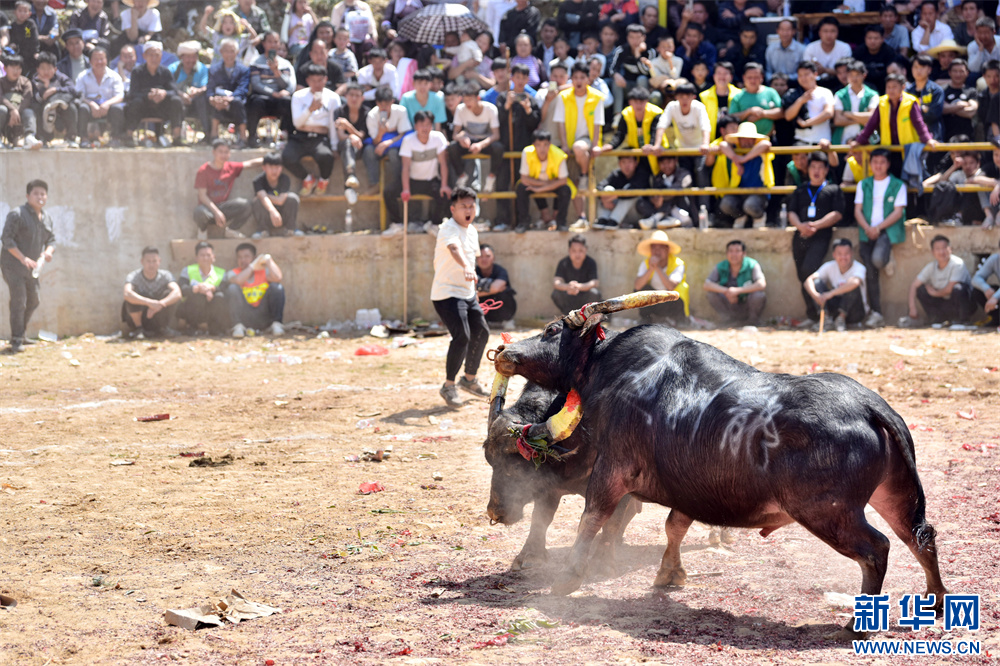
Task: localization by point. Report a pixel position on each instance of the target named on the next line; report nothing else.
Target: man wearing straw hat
(750, 164)
(946, 52)
(662, 270)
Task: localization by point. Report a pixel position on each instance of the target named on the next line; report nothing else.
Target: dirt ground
(95, 551)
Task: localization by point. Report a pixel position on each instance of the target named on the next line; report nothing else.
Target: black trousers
(23, 296)
(300, 145)
(289, 212)
(196, 309)
(115, 120)
(155, 324)
(508, 307)
(979, 298)
(875, 255)
(469, 333)
(852, 303)
(237, 212)
(259, 106)
(198, 109)
(171, 109)
(957, 308)
(567, 302)
(68, 117)
(523, 204)
(808, 254)
(458, 166)
(236, 113)
(27, 126)
(431, 188)
(270, 309)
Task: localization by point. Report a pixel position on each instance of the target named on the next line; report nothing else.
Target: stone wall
(108, 205)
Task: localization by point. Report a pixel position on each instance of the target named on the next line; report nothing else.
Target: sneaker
(668, 222)
(605, 223)
(450, 395)
(472, 386)
(239, 331)
(500, 227)
(307, 186)
(806, 323)
(760, 222)
(322, 185)
(232, 233)
(298, 232)
(840, 323)
(431, 228)
(875, 320)
(462, 181)
(521, 228)
(647, 223)
(277, 329)
(31, 143)
(16, 346)
(490, 185)
(352, 182)
(890, 268)
(71, 144)
(740, 222)
(908, 322)
(580, 225)
(257, 235)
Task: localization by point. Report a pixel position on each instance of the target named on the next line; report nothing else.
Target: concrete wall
(108, 205)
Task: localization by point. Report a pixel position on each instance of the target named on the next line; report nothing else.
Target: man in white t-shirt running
(453, 293)
(839, 286)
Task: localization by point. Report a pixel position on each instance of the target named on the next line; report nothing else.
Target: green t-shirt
(766, 98)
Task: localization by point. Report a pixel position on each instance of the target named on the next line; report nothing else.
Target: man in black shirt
(152, 94)
(959, 101)
(989, 101)
(519, 115)
(28, 242)
(318, 56)
(876, 55)
(493, 283)
(354, 143)
(275, 207)
(523, 17)
(576, 282)
(813, 208)
(614, 210)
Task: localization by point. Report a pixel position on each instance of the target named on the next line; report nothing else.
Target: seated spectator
(468, 57)
(967, 12)
(616, 212)
(636, 128)
(547, 96)
(665, 69)
(522, 18)
(248, 11)
(988, 101)
(351, 121)
(315, 135)
(272, 82)
(896, 36)
(880, 211)
(93, 24)
(357, 17)
(853, 106)
(255, 294)
(876, 56)
(216, 211)
(665, 212)
(736, 287)
(126, 63)
(583, 140)
(476, 131)
(943, 288)
(812, 109)
(561, 55)
(544, 48)
(151, 296)
(630, 64)
(694, 48)
(747, 51)
(204, 291)
(191, 80)
(960, 104)
(717, 98)
(784, 55)
(687, 118)
(594, 68)
(140, 22)
(813, 208)
(662, 270)
(985, 47)
(523, 56)
(504, 82)
(543, 170)
(903, 123)
(55, 100)
(827, 50)
(425, 167)
(985, 294)
(228, 89)
(969, 207)
(102, 94)
(74, 63)
(838, 286)
(152, 95)
(387, 123)
(577, 18)
(944, 54)
(929, 95)
(275, 207)
(493, 283)
(750, 163)
(575, 283)
(929, 31)
(296, 27)
(228, 26)
(17, 117)
(796, 171)
(23, 37)
(376, 73)
(342, 56)
(733, 16)
(318, 55)
(421, 98)
(756, 103)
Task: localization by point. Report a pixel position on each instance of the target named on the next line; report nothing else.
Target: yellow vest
(673, 261)
(724, 175)
(556, 158)
(571, 112)
(632, 127)
(904, 128)
(710, 99)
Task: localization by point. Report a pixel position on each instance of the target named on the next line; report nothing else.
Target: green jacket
(897, 232)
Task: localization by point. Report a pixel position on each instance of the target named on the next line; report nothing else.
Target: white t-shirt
(423, 156)
(820, 98)
(954, 271)
(814, 52)
(582, 131)
(830, 273)
(449, 279)
(321, 117)
(878, 199)
(544, 175)
(397, 121)
(852, 131)
(366, 77)
(148, 22)
(941, 32)
(689, 126)
(655, 282)
(478, 126)
(469, 50)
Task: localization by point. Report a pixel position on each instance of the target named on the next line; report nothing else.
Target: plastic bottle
(37, 270)
(703, 217)
(348, 222)
(784, 215)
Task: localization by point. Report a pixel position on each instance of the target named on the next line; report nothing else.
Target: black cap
(72, 32)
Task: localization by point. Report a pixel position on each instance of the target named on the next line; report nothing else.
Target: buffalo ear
(593, 321)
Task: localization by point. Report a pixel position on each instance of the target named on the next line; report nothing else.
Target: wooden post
(406, 263)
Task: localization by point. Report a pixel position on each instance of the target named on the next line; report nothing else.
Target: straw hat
(131, 3)
(659, 237)
(745, 131)
(947, 45)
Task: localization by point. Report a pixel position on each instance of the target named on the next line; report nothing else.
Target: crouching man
(839, 286)
(151, 296)
(256, 297)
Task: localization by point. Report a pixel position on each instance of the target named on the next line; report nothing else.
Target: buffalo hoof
(672, 578)
(567, 585)
(529, 559)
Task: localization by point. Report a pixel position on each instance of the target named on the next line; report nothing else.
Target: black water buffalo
(680, 423)
(516, 481)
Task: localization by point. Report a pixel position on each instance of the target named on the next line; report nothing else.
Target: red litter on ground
(968, 416)
(369, 487)
(154, 417)
(371, 350)
(496, 641)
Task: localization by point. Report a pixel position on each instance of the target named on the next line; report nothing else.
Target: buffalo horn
(497, 395)
(639, 299)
